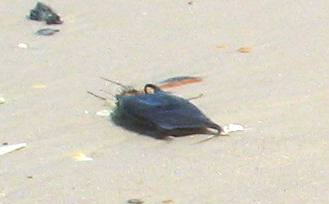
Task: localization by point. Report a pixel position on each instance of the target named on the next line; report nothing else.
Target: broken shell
(79, 156)
(22, 45)
(10, 148)
(233, 128)
(103, 113)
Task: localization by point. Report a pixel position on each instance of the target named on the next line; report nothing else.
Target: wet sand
(279, 91)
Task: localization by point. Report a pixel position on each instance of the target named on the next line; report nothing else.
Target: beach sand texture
(276, 86)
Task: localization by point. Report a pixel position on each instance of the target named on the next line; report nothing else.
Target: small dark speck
(30, 177)
(47, 31)
(5, 143)
(190, 2)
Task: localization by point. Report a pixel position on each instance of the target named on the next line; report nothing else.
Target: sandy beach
(278, 90)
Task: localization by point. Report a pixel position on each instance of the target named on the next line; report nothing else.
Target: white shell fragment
(103, 113)
(233, 128)
(22, 45)
(79, 156)
(2, 100)
(10, 148)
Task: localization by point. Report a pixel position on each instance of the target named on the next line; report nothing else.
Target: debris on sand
(42, 12)
(160, 114)
(135, 201)
(47, 31)
(226, 130)
(103, 113)
(2, 194)
(5, 149)
(2, 100)
(232, 128)
(245, 49)
(79, 156)
(179, 81)
(23, 45)
(39, 86)
(221, 46)
(168, 202)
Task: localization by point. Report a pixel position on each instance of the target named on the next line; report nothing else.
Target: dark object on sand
(160, 114)
(135, 201)
(42, 12)
(179, 81)
(47, 31)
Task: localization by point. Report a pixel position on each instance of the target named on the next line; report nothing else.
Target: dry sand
(279, 91)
